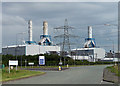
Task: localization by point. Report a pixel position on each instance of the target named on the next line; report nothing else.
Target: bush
(50, 60)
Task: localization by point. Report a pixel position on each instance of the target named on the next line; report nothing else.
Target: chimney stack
(45, 28)
(30, 30)
(89, 31)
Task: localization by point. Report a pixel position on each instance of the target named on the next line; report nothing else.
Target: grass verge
(58, 66)
(0, 75)
(114, 69)
(19, 74)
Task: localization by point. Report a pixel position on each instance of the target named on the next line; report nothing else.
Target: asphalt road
(74, 75)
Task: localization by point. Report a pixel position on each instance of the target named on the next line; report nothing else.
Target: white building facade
(28, 49)
(90, 54)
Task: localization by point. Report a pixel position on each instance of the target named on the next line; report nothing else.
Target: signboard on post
(41, 60)
(31, 63)
(13, 62)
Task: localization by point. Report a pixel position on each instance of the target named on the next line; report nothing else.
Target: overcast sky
(60, 1)
(0, 27)
(80, 15)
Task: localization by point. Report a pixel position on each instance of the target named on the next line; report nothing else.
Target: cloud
(12, 25)
(0, 27)
(13, 20)
(61, 1)
(79, 15)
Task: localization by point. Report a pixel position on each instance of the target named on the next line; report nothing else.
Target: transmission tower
(66, 36)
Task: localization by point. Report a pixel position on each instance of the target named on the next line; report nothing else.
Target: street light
(75, 56)
(25, 63)
(110, 24)
(112, 43)
(18, 47)
(118, 38)
(113, 48)
(17, 37)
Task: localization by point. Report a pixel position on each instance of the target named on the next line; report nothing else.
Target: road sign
(41, 60)
(13, 62)
(30, 63)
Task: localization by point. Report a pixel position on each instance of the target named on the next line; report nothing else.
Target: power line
(66, 37)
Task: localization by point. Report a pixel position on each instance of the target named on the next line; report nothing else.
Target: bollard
(59, 68)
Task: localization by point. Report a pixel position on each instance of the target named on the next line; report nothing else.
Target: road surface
(74, 75)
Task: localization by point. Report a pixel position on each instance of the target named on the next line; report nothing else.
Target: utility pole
(25, 63)
(66, 36)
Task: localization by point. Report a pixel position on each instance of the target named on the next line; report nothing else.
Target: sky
(60, 1)
(80, 15)
(0, 27)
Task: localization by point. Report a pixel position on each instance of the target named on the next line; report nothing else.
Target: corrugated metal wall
(36, 49)
(19, 50)
(28, 50)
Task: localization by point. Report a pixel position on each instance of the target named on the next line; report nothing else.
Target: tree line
(50, 60)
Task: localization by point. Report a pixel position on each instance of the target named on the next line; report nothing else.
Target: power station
(45, 38)
(90, 42)
(31, 47)
(30, 41)
(89, 51)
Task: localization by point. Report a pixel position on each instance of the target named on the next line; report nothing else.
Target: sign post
(41, 60)
(13, 62)
(25, 63)
(16, 67)
(9, 68)
(31, 63)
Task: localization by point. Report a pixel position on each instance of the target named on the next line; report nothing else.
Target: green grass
(39, 66)
(114, 69)
(58, 66)
(18, 74)
(47, 66)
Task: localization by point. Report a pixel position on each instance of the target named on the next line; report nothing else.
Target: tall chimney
(89, 31)
(30, 30)
(45, 28)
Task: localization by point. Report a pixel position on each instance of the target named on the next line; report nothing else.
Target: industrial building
(28, 49)
(31, 47)
(90, 52)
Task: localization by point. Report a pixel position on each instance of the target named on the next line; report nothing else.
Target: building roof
(13, 46)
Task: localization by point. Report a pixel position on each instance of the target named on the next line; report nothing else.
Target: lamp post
(25, 63)
(118, 38)
(118, 58)
(75, 56)
(18, 47)
(89, 58)
(112, 43)
(113, 49)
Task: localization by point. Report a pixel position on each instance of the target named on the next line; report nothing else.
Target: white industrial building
(90, 54)
(28, 49)
(31, 47)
